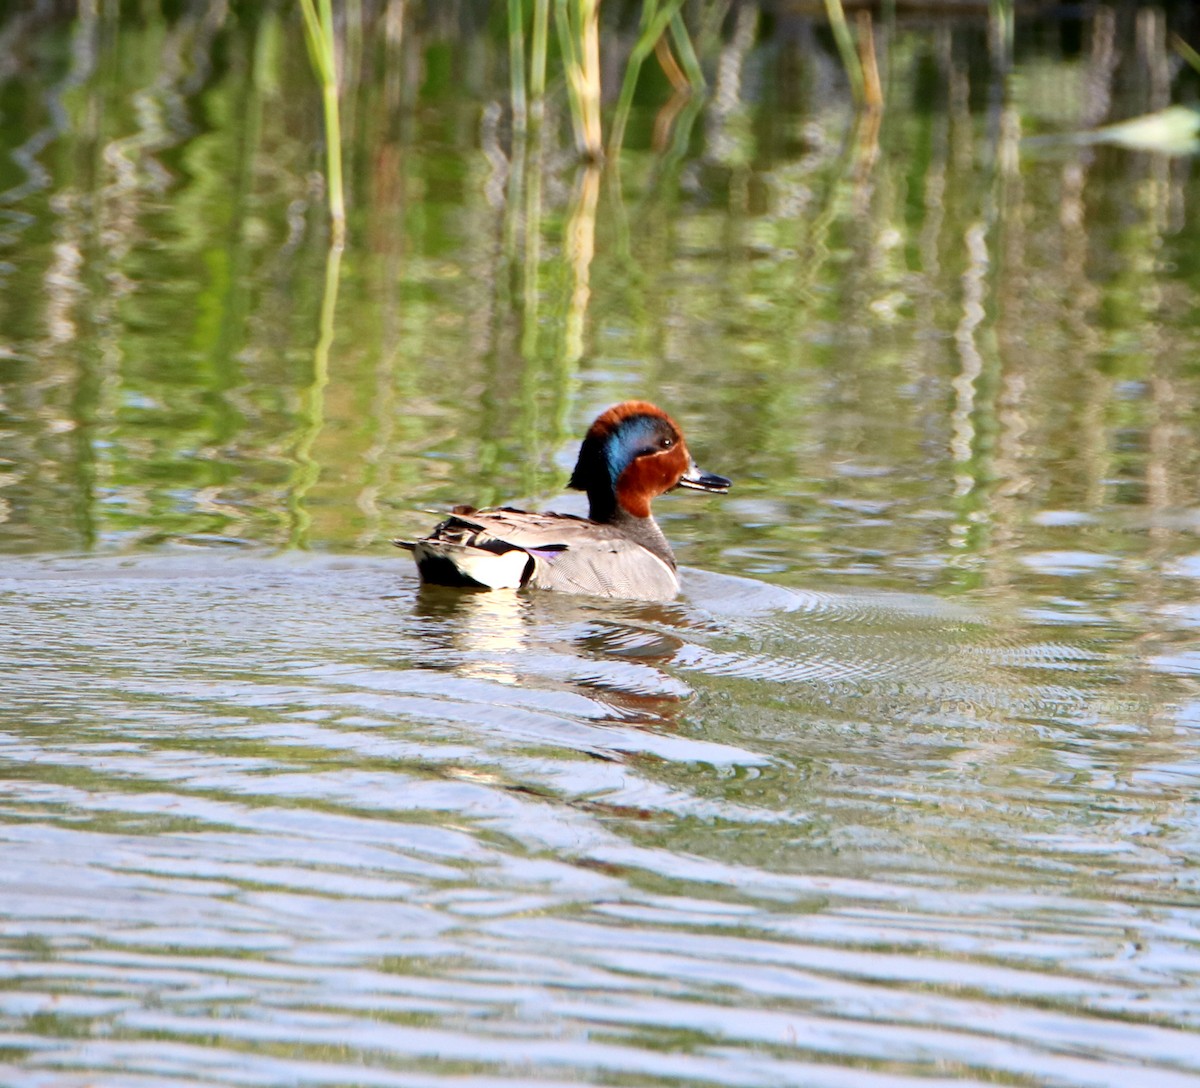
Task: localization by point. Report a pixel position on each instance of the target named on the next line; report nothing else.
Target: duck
(631, 454)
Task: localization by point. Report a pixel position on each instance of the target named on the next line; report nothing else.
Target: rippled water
(904, 788)
(293, 820)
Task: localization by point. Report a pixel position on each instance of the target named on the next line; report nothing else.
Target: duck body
(631, 454)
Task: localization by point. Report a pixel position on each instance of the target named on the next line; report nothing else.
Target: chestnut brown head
(632, 454)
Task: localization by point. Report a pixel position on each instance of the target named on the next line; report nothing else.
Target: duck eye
(666, 443)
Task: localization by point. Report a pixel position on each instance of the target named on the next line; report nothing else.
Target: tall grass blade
(845, 45)
(537, 69)
(687, 52)
(569, 45)
(578, 24)
(589, 23)
(516, 62)
(319, 36)
(1186, 51)
(654, 22)
(872, 86)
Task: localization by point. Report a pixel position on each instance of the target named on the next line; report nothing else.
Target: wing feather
(568, 553)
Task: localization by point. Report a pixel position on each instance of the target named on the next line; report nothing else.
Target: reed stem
(589, 23)
(654, 22)
(1186, 51)
(845, 45)
(572, 64)
(537, 71)
(687, 53)
(319, 35)
(516, 62)
(872, 86)
(578, 24)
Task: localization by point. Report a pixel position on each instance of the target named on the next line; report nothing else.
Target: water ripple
(755, 836)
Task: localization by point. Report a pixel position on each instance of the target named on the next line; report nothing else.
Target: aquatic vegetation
(319, 35)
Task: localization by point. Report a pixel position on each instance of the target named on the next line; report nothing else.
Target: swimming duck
(633, 453)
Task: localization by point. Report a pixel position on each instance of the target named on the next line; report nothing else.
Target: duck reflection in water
(611, 654)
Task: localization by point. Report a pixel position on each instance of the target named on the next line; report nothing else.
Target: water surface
(902, 789)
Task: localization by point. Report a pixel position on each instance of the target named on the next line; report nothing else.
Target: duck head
(632, 454)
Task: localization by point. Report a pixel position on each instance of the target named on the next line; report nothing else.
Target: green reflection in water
(906, 340)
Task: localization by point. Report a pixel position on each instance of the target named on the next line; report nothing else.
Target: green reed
(320, 36)
(845, 46)
(537, 64)
(577, 23)
(687, 52)
(1186, 51)
(654, 22)
(516, 62)
(660, 22)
